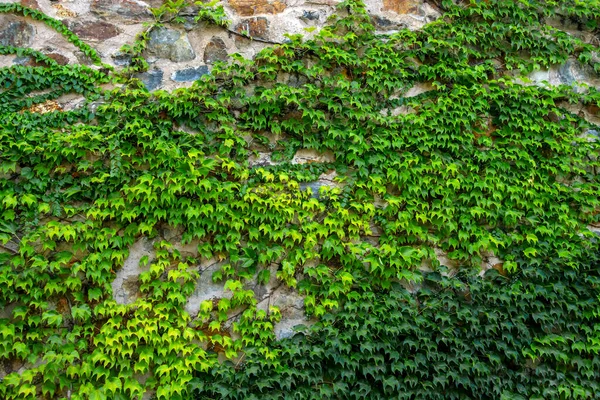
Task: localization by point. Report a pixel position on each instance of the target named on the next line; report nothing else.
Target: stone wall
(178, 54)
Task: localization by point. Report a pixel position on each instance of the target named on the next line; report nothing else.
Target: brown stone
(59, 58)
(45, 107)
(215, 50)
(247, 8)
(125, 10)
(402, 6)
(31, 4)
(95, 30)
(253, 27)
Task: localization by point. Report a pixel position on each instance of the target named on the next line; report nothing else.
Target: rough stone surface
(94, 30)
(169, 43)
(59, 58)
(254, 27)
(206, 289)
(31, 4)
(15, 33)
(151, 79)
(121, 59)
(64, 12)
(128, 11)
(306, 156)
(402, 6)
(215, 50)
(125, 286)
(310, 15)
(573, 73)
(189, 74)
(247, 8)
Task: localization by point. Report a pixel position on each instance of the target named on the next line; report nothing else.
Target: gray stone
(296, 80)
(16, 33)
(314, 187)
(215, 50)
(151, 79)
(309, 15)
(22, 60)
(189, 74)
(125, 287)
(573, 72)
(206, 289)
(129, 11)
(171, 44)
(121, 59)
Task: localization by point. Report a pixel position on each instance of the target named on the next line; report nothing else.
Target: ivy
(393, 254)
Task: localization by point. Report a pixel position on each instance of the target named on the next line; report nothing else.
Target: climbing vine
(483, 164)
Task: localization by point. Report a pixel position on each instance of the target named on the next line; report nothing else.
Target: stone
(121, 59)
(59, 58)
(254, 27)
(326, 179)
(64, 12)
(125, 287)
(314, 188)
(309, 15)
(206, 289)
(215, 50)
(189, 74)
(129, 11)
(169, 43)
(574, 73)
(23, 60)
(31, 4)
(16, 33)
(94, 30)
(296, 80)
(307, 156)
(386, 24)
(248, 8)
(402, 6)
(151, 79)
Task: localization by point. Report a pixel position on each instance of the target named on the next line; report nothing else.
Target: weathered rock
(325, 180)
(573, 72)
(297, 80)
(31, 4)
(128, 11)
(125, 287)
(83, 58)
(306, 156)
(310, 15)
(94, 30)
(171, 44)
(206, 289)
(314, 188)
(215, 50)
(386, 24)
(64, 12)
(15, 33)
(189, 74)
(247, 8)
(254, 27)
(402, 6)
(59, 58)
(151, 79)
(121, 59)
